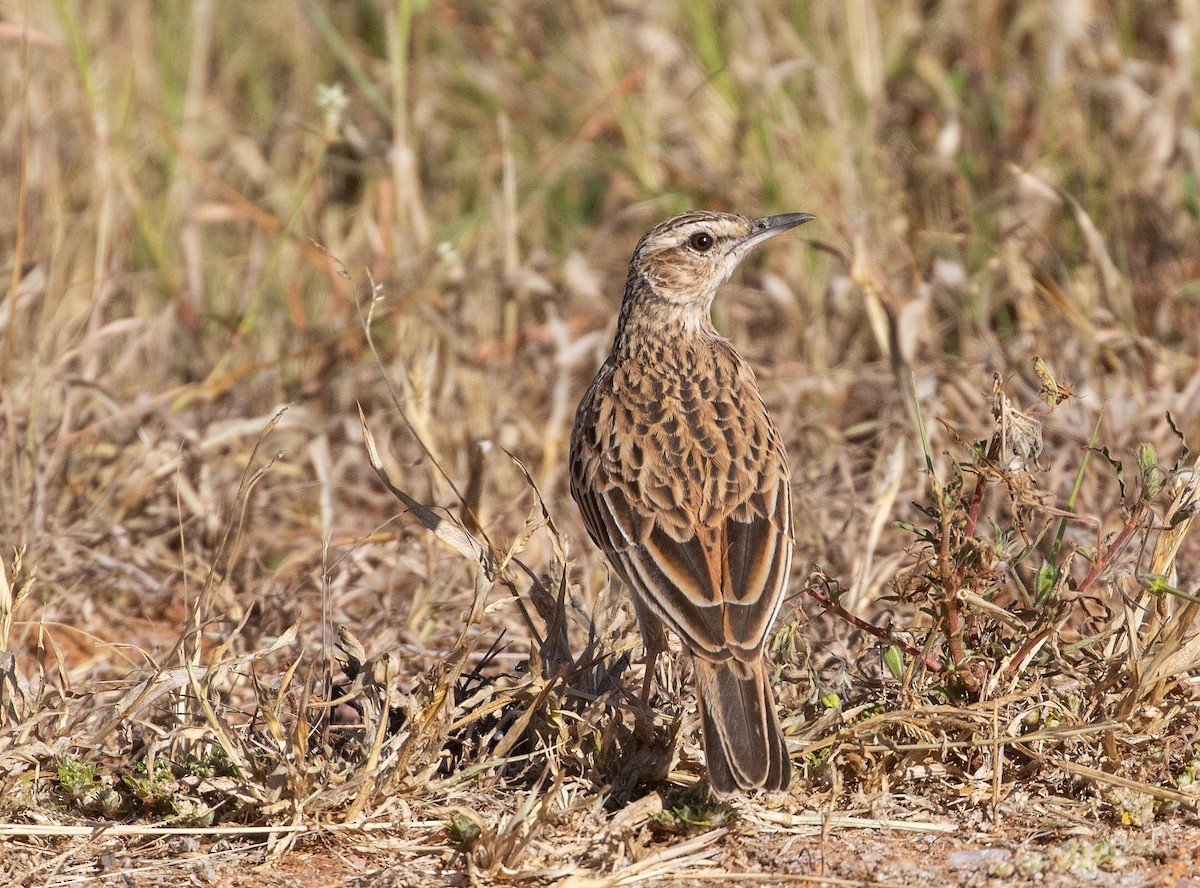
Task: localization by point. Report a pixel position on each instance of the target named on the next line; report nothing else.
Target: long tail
(743, 742)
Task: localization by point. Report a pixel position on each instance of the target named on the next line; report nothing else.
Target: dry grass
(220, 630)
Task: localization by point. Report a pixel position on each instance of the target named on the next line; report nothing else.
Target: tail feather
(743, 742)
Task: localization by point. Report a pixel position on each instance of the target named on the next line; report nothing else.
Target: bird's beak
(769, 226)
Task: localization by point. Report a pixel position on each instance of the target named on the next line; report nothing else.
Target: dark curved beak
(769, 226)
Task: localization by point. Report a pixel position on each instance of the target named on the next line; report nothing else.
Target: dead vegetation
(225, 639)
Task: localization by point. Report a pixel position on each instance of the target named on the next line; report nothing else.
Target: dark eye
(701, 241)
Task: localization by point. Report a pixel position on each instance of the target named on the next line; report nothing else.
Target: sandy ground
(1165, 855)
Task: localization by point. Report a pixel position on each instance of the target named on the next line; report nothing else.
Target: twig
(837, 610)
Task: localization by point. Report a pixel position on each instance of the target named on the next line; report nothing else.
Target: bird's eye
(701, 241)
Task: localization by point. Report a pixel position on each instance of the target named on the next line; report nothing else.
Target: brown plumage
(683, 484)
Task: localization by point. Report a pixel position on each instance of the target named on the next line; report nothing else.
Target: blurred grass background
(199, 198)
(187, 182)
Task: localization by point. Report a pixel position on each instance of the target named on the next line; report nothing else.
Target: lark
(683, 483)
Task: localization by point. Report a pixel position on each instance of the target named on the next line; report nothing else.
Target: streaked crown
(683, 260)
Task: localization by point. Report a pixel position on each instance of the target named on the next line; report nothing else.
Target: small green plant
(1080, 856)
(83, 789)
(211, 761)
(463, 831)
(188, 811)
(996, 600)
(690, 811)
(1131, 807)
(151, 783)
(76, 778)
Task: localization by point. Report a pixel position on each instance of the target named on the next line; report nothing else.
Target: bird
(682, 482)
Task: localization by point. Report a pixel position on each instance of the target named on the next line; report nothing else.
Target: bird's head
(679, 264)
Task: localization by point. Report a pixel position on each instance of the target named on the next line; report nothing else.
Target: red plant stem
(993, 454)
(951, 580)
(1023, 651)
(950, 589)
(1103, 561)
(833, 607)
(973, 512)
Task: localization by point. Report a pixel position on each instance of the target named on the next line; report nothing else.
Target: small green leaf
(893, 659)
(919, 532)
(1152, 477)
(1047, 578)
(1116, 465)
(1157, 585)
(463, 831)
(1050, 390)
